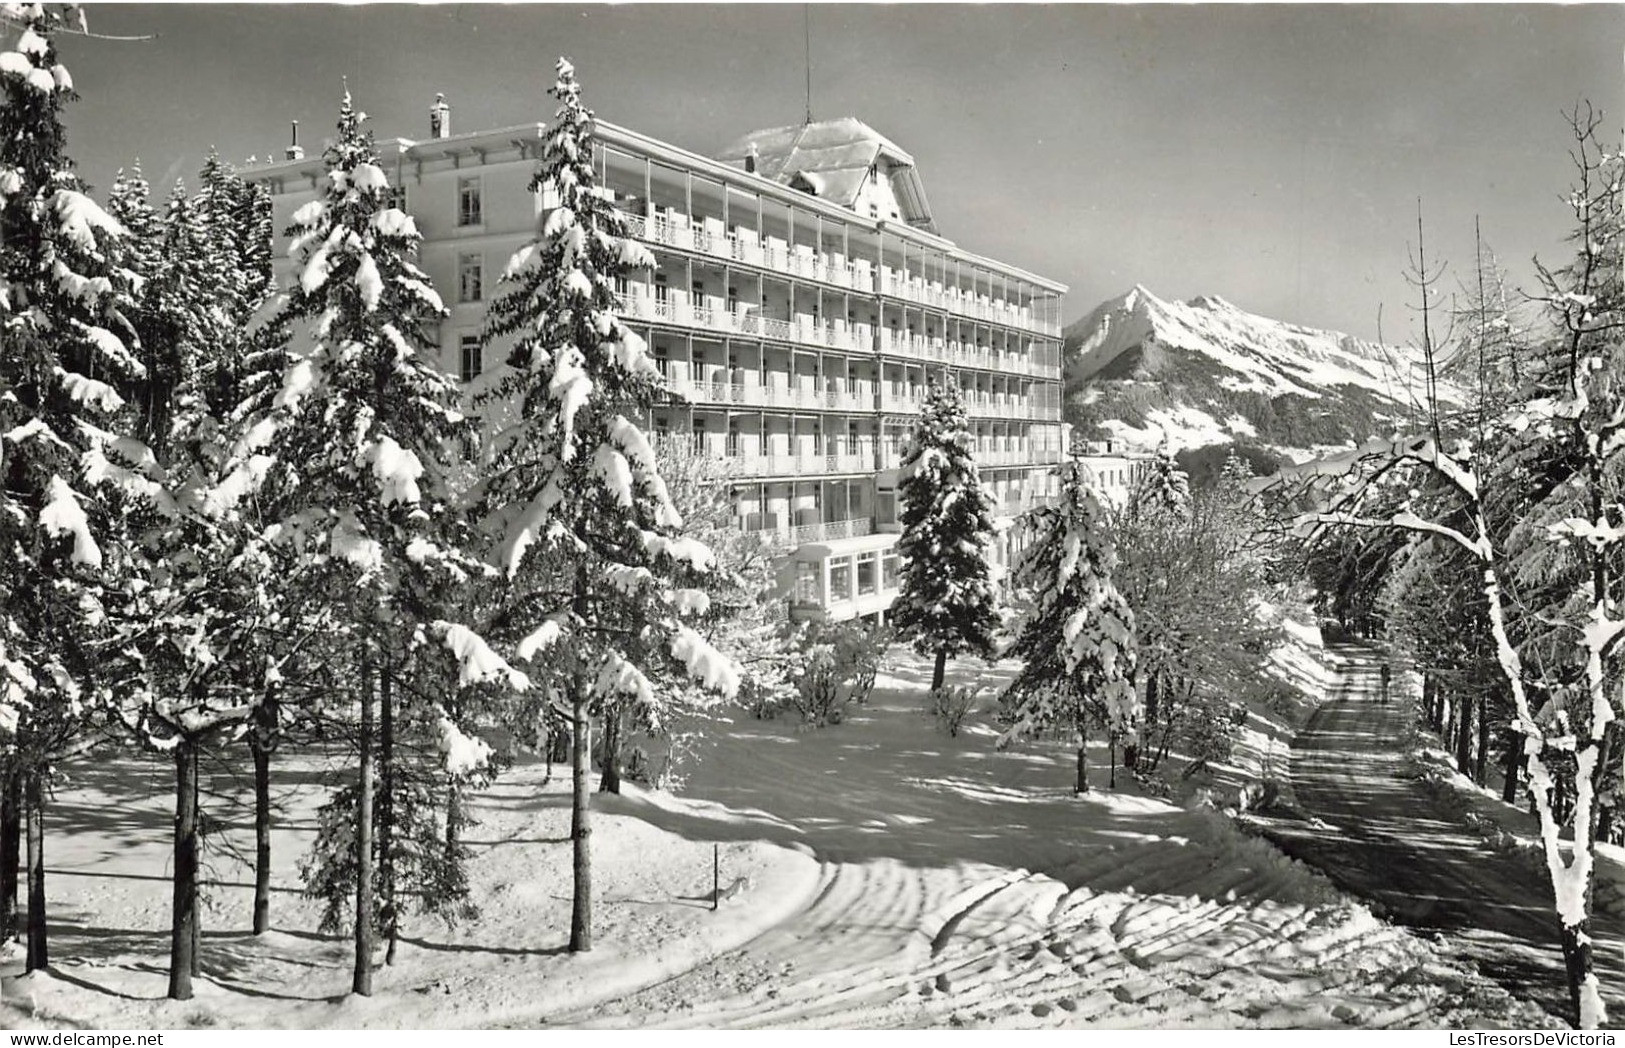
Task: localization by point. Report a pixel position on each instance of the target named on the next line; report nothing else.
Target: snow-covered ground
(108, 858)
(1507, 828)
(952, 884)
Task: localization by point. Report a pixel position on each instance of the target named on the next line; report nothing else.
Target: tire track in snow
(964, 888)
(1013, 949)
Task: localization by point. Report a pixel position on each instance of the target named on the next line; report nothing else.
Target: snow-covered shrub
(952, 703)
(837, 667)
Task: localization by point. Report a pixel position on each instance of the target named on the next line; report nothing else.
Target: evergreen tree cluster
(244, 517)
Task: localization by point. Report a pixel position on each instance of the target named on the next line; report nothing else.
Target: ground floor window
(807, 584)
(840, 581)
(888, 571)
(868, 573)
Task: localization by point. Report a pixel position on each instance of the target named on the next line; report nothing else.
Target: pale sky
(1273, 155)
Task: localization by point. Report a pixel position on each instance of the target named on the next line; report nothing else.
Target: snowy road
(962, 886)
(1388, 843)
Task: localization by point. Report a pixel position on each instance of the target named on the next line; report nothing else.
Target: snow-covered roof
(833, 159)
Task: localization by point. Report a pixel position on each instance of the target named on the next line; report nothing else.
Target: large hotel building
(802, 302)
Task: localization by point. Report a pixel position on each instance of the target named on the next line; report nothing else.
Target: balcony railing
(740, 394)
(744, 321)
(828, 531)
(963, 354)
(743, 246)
(892, 458)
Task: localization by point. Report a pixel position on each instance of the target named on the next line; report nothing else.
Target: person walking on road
(1386, 673)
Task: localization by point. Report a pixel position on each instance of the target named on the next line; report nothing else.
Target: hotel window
(868, 569)
(840, 581)
(662, 292)
(469, 212)
(807, 583)
(470, 365)
(470, 277)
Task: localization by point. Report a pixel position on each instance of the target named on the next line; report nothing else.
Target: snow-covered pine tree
(64, 351)
(351, 435)
(1162, 486)
(746, 620)
(193, 617)
(946, 604)
(1076, 641)
(602, 577)
(426, 759)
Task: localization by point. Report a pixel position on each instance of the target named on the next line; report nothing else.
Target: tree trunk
(362, 982)
(386, 813)
(941, 670)
(454, 818)
(261, 743)
(580, 826)
(1430, 699)
(198, 881)
(610, 781)
(1464, 735)
(38, 952)
(1481, 759)
(1577, 965)
(1111, 761)
(1082, 785)
(11, 830)
(1514, 766)
(262, 835)
(183, 909)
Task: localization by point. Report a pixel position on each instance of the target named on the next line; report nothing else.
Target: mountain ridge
(1141, 369)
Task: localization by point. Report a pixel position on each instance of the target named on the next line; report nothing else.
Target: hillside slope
(1203, 372)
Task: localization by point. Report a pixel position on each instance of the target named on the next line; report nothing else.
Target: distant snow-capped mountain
(1203, 372)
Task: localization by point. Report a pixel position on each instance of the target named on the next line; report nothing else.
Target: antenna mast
(806, 31)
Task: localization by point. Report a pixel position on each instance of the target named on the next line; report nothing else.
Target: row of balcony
(827, 531)
(987, 405)
(1010, 504)
(963, 354)
(986, 455)
(710, 237)
(907, 400)
(637, 303)
(829, 457)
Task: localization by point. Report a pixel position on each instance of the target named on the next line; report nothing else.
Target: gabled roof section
(833, 159)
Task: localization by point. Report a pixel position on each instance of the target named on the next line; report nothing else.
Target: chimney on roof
(440, 118)
(294, 150)
(750, 160)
